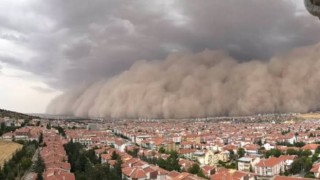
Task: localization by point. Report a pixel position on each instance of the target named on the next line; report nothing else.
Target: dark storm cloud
(81, 41)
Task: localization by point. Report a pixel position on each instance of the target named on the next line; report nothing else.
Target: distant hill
(15, 115)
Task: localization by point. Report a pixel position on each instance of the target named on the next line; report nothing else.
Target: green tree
(273, 152)
(195, 169)
(301, 164)
(310, 175)
(162, 150)
(318, 150)
(171, 163)
(39, 176)
(39, 165)
(133, 153)
(293, 152)
(306, 153)
(232, 155)
(299, 144)
(117, 167)
(296, 166)
(307, 164)
(114, 155)
(26, 163)
(259, 142)
(60, 130)
(48, 126)
(40, 139)
(241, 152)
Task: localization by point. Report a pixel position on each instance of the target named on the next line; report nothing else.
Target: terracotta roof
(310, 147)
(269, 162)
(315, 168)
(289, 178)
(135, 172)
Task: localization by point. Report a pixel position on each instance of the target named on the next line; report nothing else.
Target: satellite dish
(313, 6)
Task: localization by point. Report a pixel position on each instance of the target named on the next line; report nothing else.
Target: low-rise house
(212, 158)
(8, 136)
(248, 163)
(270, 167)
(56, 174)
(269, 146)
(288, 160)
(187, 153)
(251, 148)
(134, 173)
(208, 170)
(173, 175)
(144, 172)
(311, 147)
(316, 170)
(185, 164)
(226, 174)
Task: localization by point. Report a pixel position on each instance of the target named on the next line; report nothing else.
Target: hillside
(15, 115)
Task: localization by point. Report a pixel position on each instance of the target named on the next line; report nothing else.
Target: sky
(49, 47)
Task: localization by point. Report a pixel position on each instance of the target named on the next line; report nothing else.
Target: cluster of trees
(60, 130)
(48, 126)
(5, 129)
(312, 135)
(39, 167)
(228, 165)
(241, 152)
(87, 166)
(122, 136)
(277, 153)
(285, 132)
(195, 169)
(170, 164)
(299, 152)
(273, 152)
(296, 144)
(162, 150)
(301, 164)
(20, 162)
(304, 161)
(133, 153)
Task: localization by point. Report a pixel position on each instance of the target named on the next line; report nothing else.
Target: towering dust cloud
(210, 83)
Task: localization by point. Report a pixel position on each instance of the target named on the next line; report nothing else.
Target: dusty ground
(310, 116)
(7, 149)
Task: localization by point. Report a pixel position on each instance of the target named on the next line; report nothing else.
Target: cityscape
(270, 146)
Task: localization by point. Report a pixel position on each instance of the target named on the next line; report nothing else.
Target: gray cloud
(83, 41)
